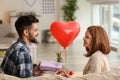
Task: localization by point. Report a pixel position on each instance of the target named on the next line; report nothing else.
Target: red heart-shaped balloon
(65, 33)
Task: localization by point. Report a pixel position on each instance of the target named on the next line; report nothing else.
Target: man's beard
(33, 40)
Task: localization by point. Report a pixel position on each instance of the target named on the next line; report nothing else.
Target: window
(108, 15)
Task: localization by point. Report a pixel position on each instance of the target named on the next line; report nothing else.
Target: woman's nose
(83, 38)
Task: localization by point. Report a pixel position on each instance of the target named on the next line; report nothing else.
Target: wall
(7, 6)
(102, 1)
(83, 14)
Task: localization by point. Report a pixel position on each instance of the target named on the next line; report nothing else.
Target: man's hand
(37, 71)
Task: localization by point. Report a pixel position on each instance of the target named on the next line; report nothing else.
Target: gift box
(50, 65)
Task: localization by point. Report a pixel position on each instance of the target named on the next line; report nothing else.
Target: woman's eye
(87, 37)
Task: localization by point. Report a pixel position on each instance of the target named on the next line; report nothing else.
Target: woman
(97, 46)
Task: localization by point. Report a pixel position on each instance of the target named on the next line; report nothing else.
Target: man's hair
(99, 41)
(24, 22)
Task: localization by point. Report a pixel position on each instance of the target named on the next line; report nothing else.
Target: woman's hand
(62, 73)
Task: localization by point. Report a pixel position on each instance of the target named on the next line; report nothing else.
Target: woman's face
(87, 39)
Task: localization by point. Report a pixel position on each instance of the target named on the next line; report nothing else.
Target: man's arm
(25, 64)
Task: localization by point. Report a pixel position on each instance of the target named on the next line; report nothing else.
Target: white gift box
(50, 65)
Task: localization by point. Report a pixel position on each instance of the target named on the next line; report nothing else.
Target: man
(17, 60)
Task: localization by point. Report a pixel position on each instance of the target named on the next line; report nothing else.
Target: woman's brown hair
(99, 41)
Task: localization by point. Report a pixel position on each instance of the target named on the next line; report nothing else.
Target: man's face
(33, 33)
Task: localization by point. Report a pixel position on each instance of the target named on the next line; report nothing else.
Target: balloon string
(65, 56)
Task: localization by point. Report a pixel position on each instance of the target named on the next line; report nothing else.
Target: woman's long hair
(99, 41)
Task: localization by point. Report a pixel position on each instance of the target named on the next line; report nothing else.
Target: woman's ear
(25, 32)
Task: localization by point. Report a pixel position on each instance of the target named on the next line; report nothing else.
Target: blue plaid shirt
(17, 60)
